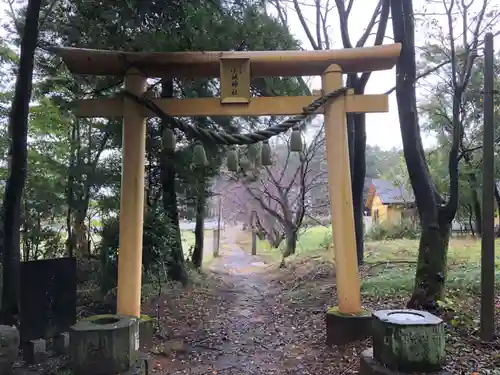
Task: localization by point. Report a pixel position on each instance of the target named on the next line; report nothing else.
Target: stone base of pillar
(370, 366)
(142, 367)
(342, 328)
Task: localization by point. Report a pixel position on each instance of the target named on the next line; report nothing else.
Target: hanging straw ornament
(168, 140)
(232, 160)
(296, 144)
(199, 155)
(266, 153)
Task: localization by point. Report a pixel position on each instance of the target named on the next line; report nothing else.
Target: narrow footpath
(249, 331)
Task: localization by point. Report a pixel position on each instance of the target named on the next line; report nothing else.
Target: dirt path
(246, 321)
(248, 330)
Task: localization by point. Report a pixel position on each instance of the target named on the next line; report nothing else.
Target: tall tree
(275, 198)
(18, 130)
(436, 212)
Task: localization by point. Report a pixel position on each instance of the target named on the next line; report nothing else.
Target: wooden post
(488, 235)
(132, 200)
(339, 188)
(254, 242)
(215, 242)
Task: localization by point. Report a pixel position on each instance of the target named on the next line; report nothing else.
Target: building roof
(390, 193)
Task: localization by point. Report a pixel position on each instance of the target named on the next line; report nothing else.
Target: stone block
(408, 340)
(142, 367)
(104, 344)
(369, 366)
(9, 348)
(34, 351)
(61, 343)
(146, 332)
(342, 328)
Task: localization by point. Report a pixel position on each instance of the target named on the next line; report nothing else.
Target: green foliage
(379, 162)
(155, 256)
(71, 200)
(395, 279)
(393, 231)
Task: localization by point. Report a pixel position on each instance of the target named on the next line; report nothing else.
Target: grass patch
(312, 242)
(389, 265)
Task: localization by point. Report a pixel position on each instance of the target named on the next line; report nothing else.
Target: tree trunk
(18, 129)
(291, 245)
(176, 267)
(478, 218)
(435, 221)
(476, 205)
(358, 182)
(199, 231)
(497, 200)
(471, 226)
(431, 267)
(80, 230)
(70, 245)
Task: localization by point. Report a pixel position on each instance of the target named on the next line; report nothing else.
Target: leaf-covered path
(245, 328)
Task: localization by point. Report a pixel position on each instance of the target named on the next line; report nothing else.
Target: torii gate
(235, 70)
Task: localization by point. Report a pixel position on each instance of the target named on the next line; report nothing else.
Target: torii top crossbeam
(207, 64)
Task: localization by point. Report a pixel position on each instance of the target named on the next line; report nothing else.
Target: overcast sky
(383, 128)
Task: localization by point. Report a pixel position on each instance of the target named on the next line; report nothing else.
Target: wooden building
(387, 202)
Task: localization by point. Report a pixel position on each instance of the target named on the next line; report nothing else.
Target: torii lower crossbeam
(261, 106)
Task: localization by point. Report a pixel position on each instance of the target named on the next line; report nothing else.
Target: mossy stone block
(408, 340)
(146, 332)
(104, 344)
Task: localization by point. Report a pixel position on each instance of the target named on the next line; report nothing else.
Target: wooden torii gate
(235, 70)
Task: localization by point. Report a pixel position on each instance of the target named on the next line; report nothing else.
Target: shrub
(156, 251)
(327, 241)
(393, 231)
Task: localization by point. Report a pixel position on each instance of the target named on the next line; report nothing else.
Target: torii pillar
(132, 199)
(339, 189)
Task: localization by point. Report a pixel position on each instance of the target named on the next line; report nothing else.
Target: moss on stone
(335, 311)
(146, 318)
(93, 318)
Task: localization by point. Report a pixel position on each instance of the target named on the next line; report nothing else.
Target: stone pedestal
(34, 351)
(9, 348)
(342, 328)
(60, 343)
(404, 341)
(104, 345)
(369, 366)
(146, 332)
